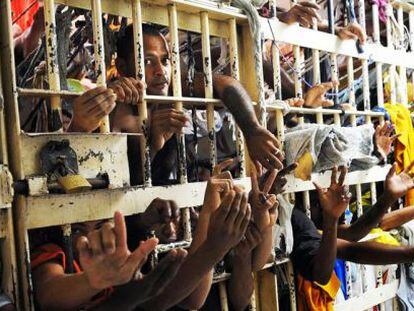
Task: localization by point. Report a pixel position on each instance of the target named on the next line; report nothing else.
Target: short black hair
(125, 42)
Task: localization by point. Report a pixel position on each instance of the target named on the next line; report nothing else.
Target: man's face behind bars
(157, 65)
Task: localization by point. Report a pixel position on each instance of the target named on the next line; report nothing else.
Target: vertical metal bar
(55, 120)
(378, 65)
(277, 86)
(234, 68)
(176, 79)
(67, 243)
(140, 75)
(177, 91)
(99, 53)
(334, 75)
(208, 84)
(223, 296)
(291, 280)
(402, 70)
(391, 70)
(411, 30)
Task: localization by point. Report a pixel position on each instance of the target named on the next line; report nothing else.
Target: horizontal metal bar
(364, 113)
(163, 248)
(156, 12)
(370, 298)
(319, 40)
(404, 5)
(151, 99)
(374, 174)
(305, 110)
(73, 208)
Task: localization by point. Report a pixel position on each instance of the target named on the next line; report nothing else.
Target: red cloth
(52, 252)
(18, 7)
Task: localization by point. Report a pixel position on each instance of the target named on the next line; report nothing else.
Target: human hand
(295, 102)
(162, 217)
(315, 96)
(264, 205)
(105, 258)
(303, 13)
(280, 181)
(251, 239)
(154, 283)
(217, 186)
(90, 108)
(164, 124)
(128, 90)
(384, 139)
(229, 222)
(335, 199)
(397, 185)
(264, 149)
(352, 31)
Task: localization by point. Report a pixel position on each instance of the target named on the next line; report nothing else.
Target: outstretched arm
(334, 201)
(396, 185)
(373, 253)
(263, 147)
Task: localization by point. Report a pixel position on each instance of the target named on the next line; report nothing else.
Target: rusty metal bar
(52, 65)
(140, 75)
(234, 68)
(208, 84)
(99, 53)
(176, 80)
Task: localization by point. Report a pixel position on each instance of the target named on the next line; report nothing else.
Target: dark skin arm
(397, 218)
(373, 253)
(396, 185)
(240, 286)
(227, 225)
(125, 297)
(334, 201)
(264, 148)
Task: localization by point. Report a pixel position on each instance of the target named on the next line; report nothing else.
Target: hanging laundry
(319, 147)
(404, 146)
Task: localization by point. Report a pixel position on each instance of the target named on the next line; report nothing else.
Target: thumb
(140, 254)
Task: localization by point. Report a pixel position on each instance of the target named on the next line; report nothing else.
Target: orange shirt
(52, 252)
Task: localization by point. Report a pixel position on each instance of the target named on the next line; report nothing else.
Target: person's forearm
(373, 253)
(200, 234)
(66, 292)
(324, 261)
(240, 286)
(236, 99)
(262, 252)
(397, 218)
(126, 297)
(195, 268)
(369, 220)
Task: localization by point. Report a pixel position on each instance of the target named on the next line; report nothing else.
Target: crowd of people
(111, 261)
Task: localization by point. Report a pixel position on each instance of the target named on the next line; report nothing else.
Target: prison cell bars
(234, 70)
(7, 241)
(13, 134)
